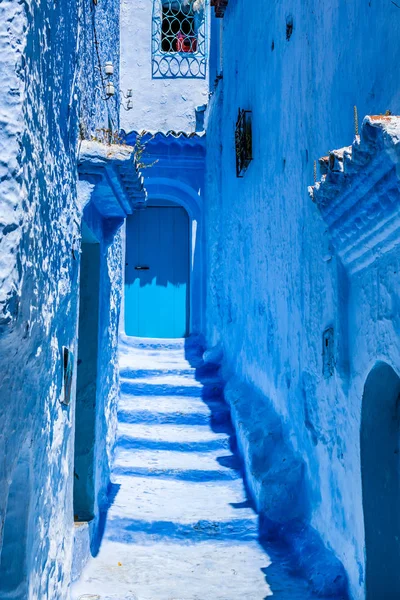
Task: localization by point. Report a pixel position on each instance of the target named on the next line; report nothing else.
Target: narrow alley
(180, 525)
(199, 300)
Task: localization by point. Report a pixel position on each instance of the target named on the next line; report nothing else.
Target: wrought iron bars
(243, 141)
(179, 39)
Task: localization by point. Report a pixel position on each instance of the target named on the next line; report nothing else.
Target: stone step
(156, 499)
(171, 404)
(174, 465)
(178, 570)
(203, 374)
(163, 460)
(170, 433)
(172, 388)
(136, 531)
(218, 419)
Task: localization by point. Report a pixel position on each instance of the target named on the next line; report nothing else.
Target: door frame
(188, 242)
(381, 394)
(170, 192)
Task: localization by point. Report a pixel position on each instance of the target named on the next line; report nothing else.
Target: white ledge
(119, 185)
(359, 193)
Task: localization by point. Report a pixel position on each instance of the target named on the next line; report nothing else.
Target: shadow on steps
(298, 556)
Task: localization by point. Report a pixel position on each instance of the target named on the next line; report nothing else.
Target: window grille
(244, 142)
(179, 39)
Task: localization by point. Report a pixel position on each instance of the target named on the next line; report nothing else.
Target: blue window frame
(179, 39)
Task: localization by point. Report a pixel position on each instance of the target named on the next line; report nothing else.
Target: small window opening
(328, 353)
(289, 27)
(178, 30)
(243, 141)
(68, 370)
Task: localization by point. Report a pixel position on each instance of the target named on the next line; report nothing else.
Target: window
(328, 353)
(179, 38)
(243, 142)
(178, 28)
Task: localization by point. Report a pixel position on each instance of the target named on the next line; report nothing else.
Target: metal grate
(243, 142)
(179, 39)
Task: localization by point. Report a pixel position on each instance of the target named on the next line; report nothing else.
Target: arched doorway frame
(375, 386)
(166, 189)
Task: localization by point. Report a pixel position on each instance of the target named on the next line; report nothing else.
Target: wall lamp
(110, 89)
(109, 69)
(128, 96)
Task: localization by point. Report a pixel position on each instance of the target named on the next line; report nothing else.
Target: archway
(380, 471)
(164, 191)
(14, 568)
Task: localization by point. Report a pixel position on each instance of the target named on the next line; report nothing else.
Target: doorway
(380, 464)
(86, 386)
(157, 273)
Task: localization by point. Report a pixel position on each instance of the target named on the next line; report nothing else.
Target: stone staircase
(180, 526)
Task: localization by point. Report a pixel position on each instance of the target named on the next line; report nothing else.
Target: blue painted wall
(38, 282)
(100, 23)
(275, 285)
(48, 100)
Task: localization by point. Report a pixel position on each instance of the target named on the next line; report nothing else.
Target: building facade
(177, 168)
(301, 295)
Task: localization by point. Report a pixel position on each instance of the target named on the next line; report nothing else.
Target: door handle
(138, 268)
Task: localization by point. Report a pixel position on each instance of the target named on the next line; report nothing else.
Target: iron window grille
(243, 142)
(219, 7)
(178, 39)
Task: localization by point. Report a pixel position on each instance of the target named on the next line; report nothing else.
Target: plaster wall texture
(159, 104)
(39, 282)
(99, 23)
(276, 284)
(38, 275)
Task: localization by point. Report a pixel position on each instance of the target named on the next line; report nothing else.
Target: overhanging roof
(119, 185)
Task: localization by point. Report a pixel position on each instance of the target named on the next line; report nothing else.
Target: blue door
(157, 273)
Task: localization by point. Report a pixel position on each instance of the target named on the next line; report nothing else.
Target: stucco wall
(99, 23)
(274, 283)
(39, 278)
(159, 104)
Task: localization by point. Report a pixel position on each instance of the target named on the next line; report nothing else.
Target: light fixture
(110, 89)
(129, 105)
(109, 68)
(129, 93)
